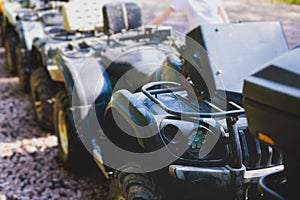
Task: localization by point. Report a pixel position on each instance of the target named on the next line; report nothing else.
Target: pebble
(28, 163)
(29, 169)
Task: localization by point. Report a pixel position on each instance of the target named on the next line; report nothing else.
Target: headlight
(196, 139)
(189, 140)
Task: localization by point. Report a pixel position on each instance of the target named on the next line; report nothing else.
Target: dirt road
(245, 10)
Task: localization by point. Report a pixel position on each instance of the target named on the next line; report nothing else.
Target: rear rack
(176, 87)
(158, 34)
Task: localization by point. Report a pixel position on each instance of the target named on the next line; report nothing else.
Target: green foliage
(288, 1)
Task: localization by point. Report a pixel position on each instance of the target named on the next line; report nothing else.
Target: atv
(23, 23)
(73, 66)
(8, 34)
(189, 132)
(77, 50)
(272, 107)
(76, 25)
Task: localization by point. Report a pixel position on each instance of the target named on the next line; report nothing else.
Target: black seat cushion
(121, 15)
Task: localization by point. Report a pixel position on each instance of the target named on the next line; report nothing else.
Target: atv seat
(52, 18)
(82, 15)
(121, 16)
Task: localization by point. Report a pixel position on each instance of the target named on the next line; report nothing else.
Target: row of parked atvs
(213, 113)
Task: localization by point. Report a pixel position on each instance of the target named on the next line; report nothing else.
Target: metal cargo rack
(218, 112)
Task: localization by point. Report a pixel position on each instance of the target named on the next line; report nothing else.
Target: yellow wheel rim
(62, 133)
(120, 197)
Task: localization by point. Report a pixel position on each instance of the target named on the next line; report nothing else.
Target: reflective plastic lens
(196, 140)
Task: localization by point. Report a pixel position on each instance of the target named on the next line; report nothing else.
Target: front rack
(176, 87)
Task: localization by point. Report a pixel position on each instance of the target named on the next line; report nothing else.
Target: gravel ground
(29, 168)
(28, 165)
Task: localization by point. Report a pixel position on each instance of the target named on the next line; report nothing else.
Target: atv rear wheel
(42, 94)
(132, 186)
(10, 44)
(24, 77)
(71, 151)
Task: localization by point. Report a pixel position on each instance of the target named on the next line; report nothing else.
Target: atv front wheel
(132, 186)
(71, 151)
(42, 93)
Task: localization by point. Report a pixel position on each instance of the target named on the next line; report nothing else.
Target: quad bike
(191, 134)
(196, 127)
(23, 23)
(75, 26)
(80, 49)
(8, 34)
(65, 81)
(272, 107)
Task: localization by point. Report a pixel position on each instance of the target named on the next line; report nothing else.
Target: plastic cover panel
(231, 52)
(83, 15)
(272, 103)
(277, 84)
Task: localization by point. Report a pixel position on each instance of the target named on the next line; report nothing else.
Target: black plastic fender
(20, 32)
(85, 80)
(4, 27)
(38, 46)
(130, 68)
(7, 27)
(89, 90)
(126, 108)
